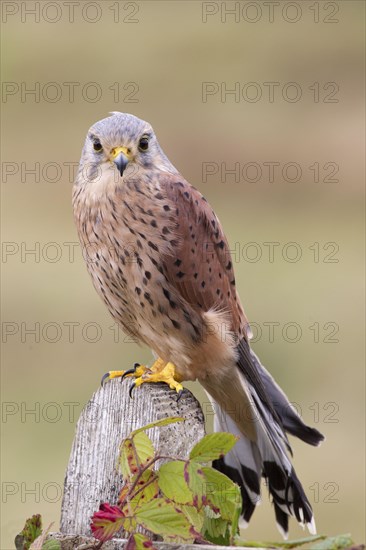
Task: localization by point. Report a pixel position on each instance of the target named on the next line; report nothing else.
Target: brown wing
(201, 268)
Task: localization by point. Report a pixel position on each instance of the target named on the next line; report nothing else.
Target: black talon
(180, 393)
(131, 388)
(106, 375)
(129, 371)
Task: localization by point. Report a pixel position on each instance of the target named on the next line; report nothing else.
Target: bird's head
(122, 145)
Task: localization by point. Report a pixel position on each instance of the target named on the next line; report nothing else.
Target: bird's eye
(144, 144)
(97, 146)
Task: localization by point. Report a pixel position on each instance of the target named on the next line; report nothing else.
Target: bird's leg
(160, 371)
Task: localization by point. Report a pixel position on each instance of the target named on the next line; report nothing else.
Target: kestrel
(159, 259)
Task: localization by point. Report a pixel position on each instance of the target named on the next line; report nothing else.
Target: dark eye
(144, 144)
(97, 145)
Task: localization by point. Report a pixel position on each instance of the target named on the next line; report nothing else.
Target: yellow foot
(160, 371)
(137, 370)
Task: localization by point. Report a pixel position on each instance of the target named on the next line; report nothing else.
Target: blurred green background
(160, 54)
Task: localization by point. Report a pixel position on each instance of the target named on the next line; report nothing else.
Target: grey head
(123, 143)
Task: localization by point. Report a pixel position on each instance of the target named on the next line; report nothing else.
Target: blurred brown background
(173, 63)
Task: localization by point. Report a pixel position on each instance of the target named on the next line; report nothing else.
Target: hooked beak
(121, 157)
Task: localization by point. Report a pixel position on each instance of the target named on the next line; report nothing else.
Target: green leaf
(146, 489)
(31, 530)
(148, 482)
(213, 446)
(223, 495)
(52, 544)
(159, 423)
(335, 543)
(193, 474)
(163, 518)
(172, 482)
(40, 541)
(255, 544)
(139, 542)
(137, 449)
(194, 516)
(216, 530)
(128, 458)
(135, 452)
(144, 447)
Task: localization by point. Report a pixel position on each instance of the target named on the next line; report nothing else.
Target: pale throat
(104, 182)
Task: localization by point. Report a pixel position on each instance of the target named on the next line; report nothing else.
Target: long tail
(251, 405)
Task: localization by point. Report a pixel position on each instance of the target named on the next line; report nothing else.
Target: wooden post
(92, 476)
(82, 542)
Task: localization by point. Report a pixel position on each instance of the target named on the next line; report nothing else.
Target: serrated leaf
(137, 448)
(31, 531)
(39, 543)
(137, 541)
(159, 423)
(194, 516)
(107, 522)
(213, 446)
(148, 482)
(172, 482)
(135, 452)
(216, 530)
(145, 489)
(128, 459)
(144, 448)
(223, 495)
(196, 481)
(162, 517)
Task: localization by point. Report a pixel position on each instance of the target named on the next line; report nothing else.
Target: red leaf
(107, 522)
(137, 541)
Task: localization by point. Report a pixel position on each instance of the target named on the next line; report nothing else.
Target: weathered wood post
(92, 475)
